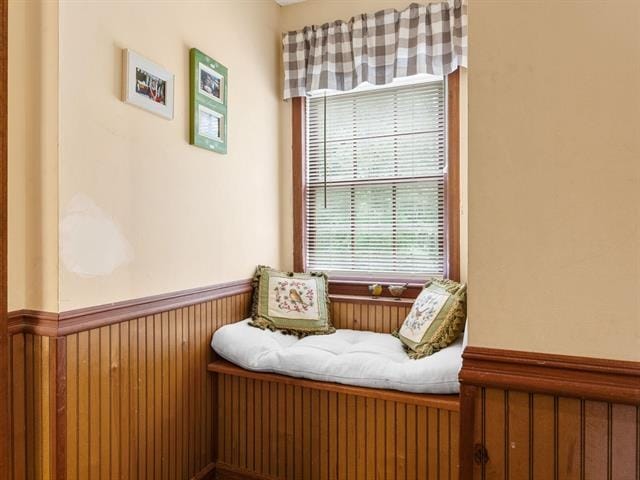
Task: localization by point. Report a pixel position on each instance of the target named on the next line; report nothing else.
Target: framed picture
(147, 85)
(211, 83)
(210, 124)
(208, 102)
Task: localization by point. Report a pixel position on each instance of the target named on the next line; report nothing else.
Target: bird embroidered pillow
(295, 303)
(436, 318)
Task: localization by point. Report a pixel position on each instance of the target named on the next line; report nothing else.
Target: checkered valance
(376, 48)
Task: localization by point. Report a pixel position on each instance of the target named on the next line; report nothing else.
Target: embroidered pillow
(295, 303)
(436, 318)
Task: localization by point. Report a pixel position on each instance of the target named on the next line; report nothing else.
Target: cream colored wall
(126, 227)
(33, 155)
(554, 177)
(170, 216)
(317, 12)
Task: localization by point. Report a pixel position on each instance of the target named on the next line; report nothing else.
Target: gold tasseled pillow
(436, 318)
(295, 303)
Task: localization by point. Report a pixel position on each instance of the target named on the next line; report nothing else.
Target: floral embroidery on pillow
(295, 303)
(294, 296)
(423, 313)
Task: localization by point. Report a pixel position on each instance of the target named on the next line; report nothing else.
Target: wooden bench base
(278, 427)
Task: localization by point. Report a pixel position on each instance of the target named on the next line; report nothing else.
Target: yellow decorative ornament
(375, 289)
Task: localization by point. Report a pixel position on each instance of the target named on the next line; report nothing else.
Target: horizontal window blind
(384, 182)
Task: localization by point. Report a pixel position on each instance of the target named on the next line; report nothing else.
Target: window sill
(369, 300)
(359, 287)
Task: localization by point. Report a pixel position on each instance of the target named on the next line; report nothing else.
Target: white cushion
(361, 358)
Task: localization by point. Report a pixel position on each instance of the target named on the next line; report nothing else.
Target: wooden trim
(358, 286)
(34, 322)
(468, 395)
(74, 321)
(580, 377)
(299, 183)
(362, 300)
(88, 318)
(229, 472)
(443, 402)
(452, 176)
(207, 473)
(5, 430)
(215, 448)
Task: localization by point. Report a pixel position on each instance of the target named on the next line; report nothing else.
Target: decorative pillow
(295, 303)
(436, 318)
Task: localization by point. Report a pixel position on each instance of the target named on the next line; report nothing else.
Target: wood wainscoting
(32, 387)
(541, 416)
(120, 391)
(277, 427)
(380, 314)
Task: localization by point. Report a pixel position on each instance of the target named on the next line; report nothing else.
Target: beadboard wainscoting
(533, 415)
(275, 427)
(32, 393)
(530, 435)
(120, 391)
(365, 313)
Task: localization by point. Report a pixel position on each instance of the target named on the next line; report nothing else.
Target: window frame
(357, 284)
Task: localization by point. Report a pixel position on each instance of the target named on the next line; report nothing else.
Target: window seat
(348, 357)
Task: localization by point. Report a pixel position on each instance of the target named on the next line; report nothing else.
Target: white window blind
(385, 190)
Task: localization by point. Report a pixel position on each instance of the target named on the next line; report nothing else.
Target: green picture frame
(208, 102)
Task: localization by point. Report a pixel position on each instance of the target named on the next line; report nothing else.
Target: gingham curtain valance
(376, 48)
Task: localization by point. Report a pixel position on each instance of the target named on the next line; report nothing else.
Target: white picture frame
(147, 85)
(210, 123)
(214, 90)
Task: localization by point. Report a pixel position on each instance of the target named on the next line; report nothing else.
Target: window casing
(390, 185)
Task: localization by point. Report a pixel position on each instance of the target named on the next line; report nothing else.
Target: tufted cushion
(361, 358)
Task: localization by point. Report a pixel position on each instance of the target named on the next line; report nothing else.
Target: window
(375, 204)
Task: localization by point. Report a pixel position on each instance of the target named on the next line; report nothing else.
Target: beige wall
(317, 12)
(554, 176)
(127, 229)
(141, 212)
(171, 216)
(33, 155)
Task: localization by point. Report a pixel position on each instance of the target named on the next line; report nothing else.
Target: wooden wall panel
(140, 403)
(553, 437)
(284, 431)
(32, 367)
(369, 314)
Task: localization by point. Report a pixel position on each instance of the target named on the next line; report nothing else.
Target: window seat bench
(358, 358)
(271, 426)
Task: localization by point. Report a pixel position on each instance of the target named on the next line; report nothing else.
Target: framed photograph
(208, 102)
(147, 85)
(210, 124)
(211, 83)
